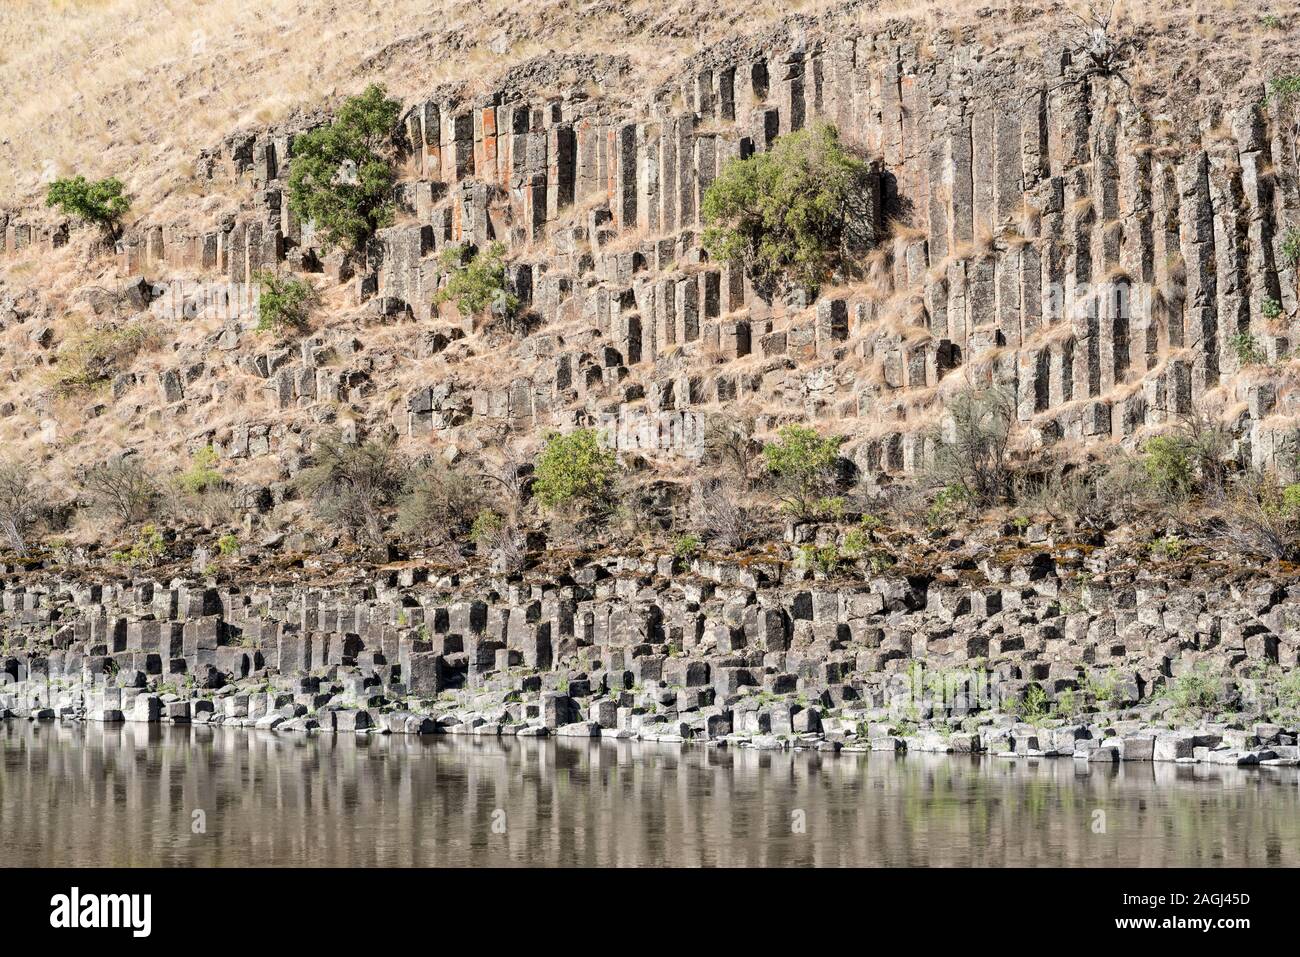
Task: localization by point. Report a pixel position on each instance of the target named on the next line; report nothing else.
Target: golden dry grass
(136, 89)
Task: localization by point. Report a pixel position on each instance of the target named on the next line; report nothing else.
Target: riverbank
(1136, 735)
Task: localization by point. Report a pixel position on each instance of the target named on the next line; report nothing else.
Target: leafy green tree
(478, 282)
(803, 465)
(283, 302)
(575, 471)
(100, 203)
(341, 176)
(795, 214)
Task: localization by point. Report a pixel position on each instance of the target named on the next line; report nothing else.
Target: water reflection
(80, 795)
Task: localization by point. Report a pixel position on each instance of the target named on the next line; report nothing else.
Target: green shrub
(1031, 707)
(1067, 702)
(821, 558)
(1270, 308)
(487, 524)
(477, 282)
(1288, 694)
(1247, 347)
(1170, 547)
(1291, 498)
(802, 465)
(202, 474)
(1195, 692)
(795, 214)
(949, 503)
(100, 203)
(857, 542)
(19, 503)
(1170, 465)
(1291, 247)
(146, 551)
(92, 357)
(575, 471)
(686, 547)
(1102, 686)
(341, 176)
(283, 302)
(1284, 91)
(228, 545)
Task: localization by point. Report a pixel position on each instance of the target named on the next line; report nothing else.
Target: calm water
(79, 795)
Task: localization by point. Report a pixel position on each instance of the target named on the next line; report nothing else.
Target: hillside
(1100, 231)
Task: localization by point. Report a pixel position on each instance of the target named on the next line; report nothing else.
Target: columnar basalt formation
(1114, 257)
(753, 653)
(1040, 227)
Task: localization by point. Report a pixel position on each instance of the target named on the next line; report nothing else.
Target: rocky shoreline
(1105, 738)
(1014, 647)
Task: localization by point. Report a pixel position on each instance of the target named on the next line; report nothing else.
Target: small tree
(19, 503)
(803, 466)
(283, 302)
(478, 282)
(352, 484)
(100, 203)
(971, 455)
(341, 176)
(794, 215)
(576, 471)
(122, 489)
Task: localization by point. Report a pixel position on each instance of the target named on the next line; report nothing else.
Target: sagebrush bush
(92, 357)
(971, 456)
(1189, 459)
(341, 176)
(100, 203)
(351, 484)
(20, 500)
(797, 214)
(1260, 518)
(439, 502)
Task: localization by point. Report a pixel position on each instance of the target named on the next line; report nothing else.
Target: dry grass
(137, 89)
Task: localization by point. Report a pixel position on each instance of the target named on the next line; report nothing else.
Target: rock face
(1112, 256)
(763, 655)
(1097, 253)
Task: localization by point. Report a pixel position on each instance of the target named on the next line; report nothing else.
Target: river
(130, 795)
